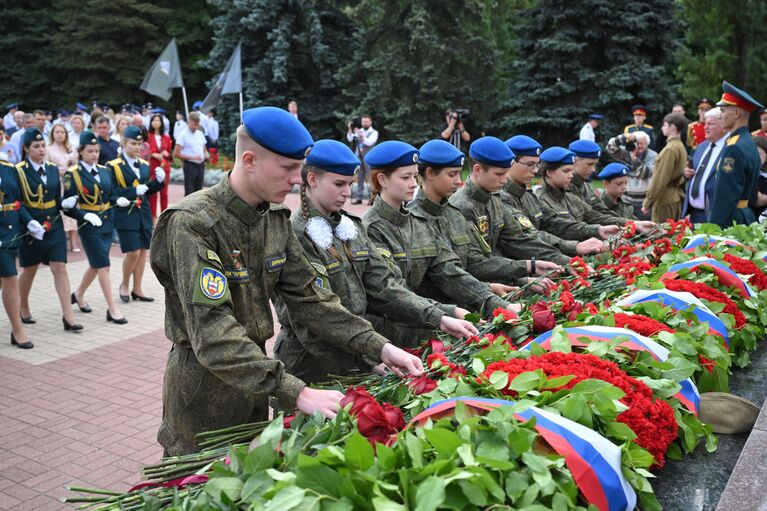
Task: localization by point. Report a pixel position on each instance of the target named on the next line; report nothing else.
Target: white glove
(36, 230)
(69, 202)
(141, 189)
(93, 219)
(122, 202)
(159, 175)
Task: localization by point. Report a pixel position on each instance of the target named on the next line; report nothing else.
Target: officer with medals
(738, 168)
(566, 235)
(13, 215)
(640, 115)
(217, 373)
(615, 177)
(133, 215)
(337, 245)
(88, 190)
(41, 191)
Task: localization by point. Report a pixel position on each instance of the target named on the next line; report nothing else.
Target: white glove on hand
(141, 189)
(36, 230)
(159, 175)
(93, 219)
(69, 202)
(122, 202)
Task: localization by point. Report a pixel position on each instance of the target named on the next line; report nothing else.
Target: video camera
(460, 114)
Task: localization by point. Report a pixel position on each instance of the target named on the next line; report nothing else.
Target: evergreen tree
(103, 49)
(417, 59)
(724, 41)
(590, 56)
(290, 51)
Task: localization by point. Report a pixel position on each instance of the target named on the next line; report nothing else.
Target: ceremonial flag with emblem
(229, 82)
(165, 73)
(594, 461)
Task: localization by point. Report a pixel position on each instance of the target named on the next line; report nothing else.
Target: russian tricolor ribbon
(593, 460)
(709, 240)
(583, 335)
(726, 276)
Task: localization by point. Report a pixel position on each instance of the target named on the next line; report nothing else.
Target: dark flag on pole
(229, 82)
(165, 73)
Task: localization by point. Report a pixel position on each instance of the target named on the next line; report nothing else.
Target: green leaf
(272, 434)
(444, 441)
(499, 380)
(516, 484)
(430, 494)
(477, 365)
(557, 382)
(320, 478)
(286, 499)
(229, 486)
(358, 452)
(682, 368)
(474, 493)
(414, 449)
(387, 458)
(255, 485)
(473, 317)
(382, 503)
(526, 381)
(620, 431)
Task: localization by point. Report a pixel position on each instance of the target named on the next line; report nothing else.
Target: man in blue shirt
(108, 148)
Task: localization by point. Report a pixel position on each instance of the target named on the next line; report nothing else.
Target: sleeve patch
(275, 262)
(212, 287)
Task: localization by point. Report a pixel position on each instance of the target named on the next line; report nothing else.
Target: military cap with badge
(440, 153)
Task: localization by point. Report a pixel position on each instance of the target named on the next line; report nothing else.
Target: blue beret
(522, 145)
(391, 153)
(333, 156)
(197, 104)
(733, 96)
(585, 149)
(440, 154)
(31, 135)
(80, 106)
(558, 155)
(491, 151)
(596, 117)
(614, 170)
(11, 105)
(88, 138)
(278, 131)
(133, 133)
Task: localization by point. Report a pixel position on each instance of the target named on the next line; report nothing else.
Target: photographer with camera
(454, 131)
(363, 137)
(632, 150)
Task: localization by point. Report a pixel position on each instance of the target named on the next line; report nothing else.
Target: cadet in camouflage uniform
(587, 155)
(505, 231)
(220, 254)
(439, 166)
(561, 233)
(406, 239)
(615, 177)
(338, 247)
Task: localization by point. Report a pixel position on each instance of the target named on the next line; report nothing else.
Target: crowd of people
(91, 180)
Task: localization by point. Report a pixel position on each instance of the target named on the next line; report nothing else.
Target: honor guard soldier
(88, 192)
(133, 215)
(615, 178)
(640, 116)
(738, 168)
(217, 373)
(13, 215)
(41, 190)
(696, 132)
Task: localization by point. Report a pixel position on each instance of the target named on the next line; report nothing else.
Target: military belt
(45, 205)
(94, 207)
(742, 204)
(9, 207)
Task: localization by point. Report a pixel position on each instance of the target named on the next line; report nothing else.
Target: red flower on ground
(579, 266)
(662, 246)
(543, 317)
(436, 346)
(704, 292)
(746, 267)
(591, 308)
(640, 324)
(422, 385)
(378, 422)
(506, 313)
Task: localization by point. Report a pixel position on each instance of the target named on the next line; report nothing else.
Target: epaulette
(116, 161)
(733, 140)
(647, 126)
(143, 161)
(73, 167)
(20, 165)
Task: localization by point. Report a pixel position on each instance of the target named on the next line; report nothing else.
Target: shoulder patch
(68, 180)
(383, 253)
(321, 275)
(275, 262)
(728, 165)
(212, 256)
(212, 283)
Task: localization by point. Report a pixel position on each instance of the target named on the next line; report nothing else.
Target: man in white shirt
(179, 126)
(587, 131)
(8, 121)
(191, 148)
(203, 118)
(27, 121)
(701, 170)
(365, 137)
(212, 133)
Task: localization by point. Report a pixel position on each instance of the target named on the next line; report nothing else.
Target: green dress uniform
(220, 261)
(465, 242)
(361, 278)
(567, 205)
(619, 208)
(42, 200)
(631, 128)
(737, 172)
(418, 254)
(13, 215)
(94, 190)
(504, 230)
(134, 222)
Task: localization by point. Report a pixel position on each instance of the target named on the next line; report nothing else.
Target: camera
(356, 123)
(459, 113)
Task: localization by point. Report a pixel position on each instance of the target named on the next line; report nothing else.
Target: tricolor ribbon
(709, 240)
(726, 276)
(584, 335)
(593, 460)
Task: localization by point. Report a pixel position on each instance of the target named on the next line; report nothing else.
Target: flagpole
(186, 103)
(240, 106)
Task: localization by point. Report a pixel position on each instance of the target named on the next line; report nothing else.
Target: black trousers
(193, 176)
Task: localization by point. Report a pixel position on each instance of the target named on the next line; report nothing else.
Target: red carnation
(579, 266)
(746, 267)
(506, 313)
(662, 246)
(47, 226)
(422, 385)
(631, 229)
(576, 309)
(85, 190)
(591, 308)
(436, 346)
(704, 292)
(640, 324)
(16, 205)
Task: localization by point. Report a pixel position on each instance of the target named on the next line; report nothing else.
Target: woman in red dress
(159, 156)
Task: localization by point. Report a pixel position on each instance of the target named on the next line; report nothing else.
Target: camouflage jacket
(619, 208)
(569, 206)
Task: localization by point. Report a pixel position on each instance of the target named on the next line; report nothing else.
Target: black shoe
(124, 298)
(28, 321)
(116, 321)
(23, 345)
(141, 298)
(85, 309)
(73, 327)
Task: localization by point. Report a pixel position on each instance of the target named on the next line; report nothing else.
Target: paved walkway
(82, 409)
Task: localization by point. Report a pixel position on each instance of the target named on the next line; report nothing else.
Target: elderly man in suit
(700, 189)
